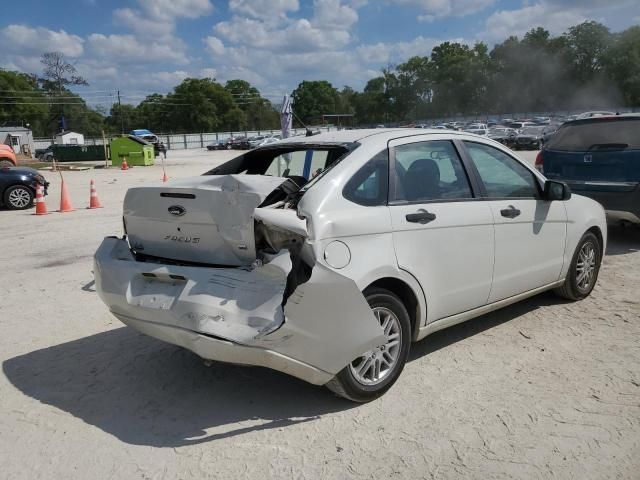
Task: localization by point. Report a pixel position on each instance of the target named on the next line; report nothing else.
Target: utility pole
(120, 113)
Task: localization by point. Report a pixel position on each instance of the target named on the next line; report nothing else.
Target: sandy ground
(542, 389)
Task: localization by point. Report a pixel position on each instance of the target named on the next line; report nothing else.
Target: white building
(19, 138)
(69, 138)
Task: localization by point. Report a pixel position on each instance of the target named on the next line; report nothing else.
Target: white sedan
(325, 257)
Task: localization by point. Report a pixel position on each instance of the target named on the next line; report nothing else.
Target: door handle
(511, 212)
(421, 216)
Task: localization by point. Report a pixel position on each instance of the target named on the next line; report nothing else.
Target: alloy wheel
(19, 197)
(374, 366)
(586, 267)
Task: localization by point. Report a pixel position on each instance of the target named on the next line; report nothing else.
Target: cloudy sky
(144, 46)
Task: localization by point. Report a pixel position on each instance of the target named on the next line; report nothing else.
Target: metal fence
(191, 140)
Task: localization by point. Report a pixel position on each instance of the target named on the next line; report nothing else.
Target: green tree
(460, 77)
(152, 113)
(258, 111)
(373, 104)
(622, 64)
(203, 105)
(587, 44)
(122, 117)
(312, 99)
(22, 102)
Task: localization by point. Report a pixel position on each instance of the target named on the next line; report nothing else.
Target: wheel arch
(598, 233)
(408, 297)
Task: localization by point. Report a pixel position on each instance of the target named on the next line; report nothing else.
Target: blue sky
(145, 46)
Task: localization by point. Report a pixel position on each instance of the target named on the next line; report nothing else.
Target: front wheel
(374, 372)
(18, 197)
(6, 163)
(584, 269)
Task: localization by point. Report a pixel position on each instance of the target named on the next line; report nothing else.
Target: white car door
(442, 231)
(530, 232)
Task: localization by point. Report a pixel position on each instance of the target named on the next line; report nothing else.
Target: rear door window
(427, 171)
(605, 134)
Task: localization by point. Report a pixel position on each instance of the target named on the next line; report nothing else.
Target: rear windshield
(609, 134)
(292, 161)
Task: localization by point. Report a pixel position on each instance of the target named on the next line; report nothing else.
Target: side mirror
(554, 190)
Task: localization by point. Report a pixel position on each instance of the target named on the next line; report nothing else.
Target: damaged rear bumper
(236, 315)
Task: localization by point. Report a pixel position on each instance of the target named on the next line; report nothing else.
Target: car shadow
(622, 240)
(146, 392)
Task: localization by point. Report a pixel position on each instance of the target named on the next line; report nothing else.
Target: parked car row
(243, 143)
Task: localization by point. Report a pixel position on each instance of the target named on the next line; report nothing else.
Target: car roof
(603, 118)
(350, 136)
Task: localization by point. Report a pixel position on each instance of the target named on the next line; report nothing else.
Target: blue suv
(599, 157)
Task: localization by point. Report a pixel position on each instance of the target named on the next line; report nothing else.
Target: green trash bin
(137, 151)
(77, 153)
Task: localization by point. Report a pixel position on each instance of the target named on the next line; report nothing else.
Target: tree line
(586, 67)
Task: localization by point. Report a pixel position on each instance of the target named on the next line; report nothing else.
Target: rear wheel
(6, 163)
(374, 372)
(18, 197)
(584, 269)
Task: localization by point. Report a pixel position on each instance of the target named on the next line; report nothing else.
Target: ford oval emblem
(177, 210)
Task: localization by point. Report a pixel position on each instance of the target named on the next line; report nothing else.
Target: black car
(504, 135)
(231, 143)
(598, 157)
(18, 187)
(529, 138)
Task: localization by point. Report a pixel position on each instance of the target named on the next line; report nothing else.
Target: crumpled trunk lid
(204, 219)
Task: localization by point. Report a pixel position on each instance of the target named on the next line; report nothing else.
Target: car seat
(422, 180)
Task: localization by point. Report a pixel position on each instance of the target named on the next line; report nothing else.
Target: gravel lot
(542, 389)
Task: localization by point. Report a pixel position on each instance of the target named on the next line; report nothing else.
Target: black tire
(571, 290)
(23, 192)
(6, 163)
(345, 383)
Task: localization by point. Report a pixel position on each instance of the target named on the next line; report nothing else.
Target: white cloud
(127, 48)
(214, 45)
(504, 23)
(299, 35)
(446, 8)
(143, 26)
(396, 52)
(208, 73)
(153, 27)
(263, 8)
(333, 15)
(167, 9)
(25, 40)
(426, 18)
(556, 16)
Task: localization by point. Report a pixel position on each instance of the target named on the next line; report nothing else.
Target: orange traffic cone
(94, 202)
(41, 207)
(164, 177)
(65, 200)
(124, 165)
